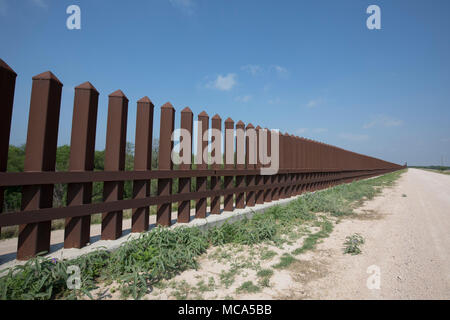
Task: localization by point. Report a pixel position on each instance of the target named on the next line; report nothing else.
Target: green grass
(285, 261)
(267, 254)
(310, 242)
(264, 276)
(248, 287)
(263, 273)
(161, 253)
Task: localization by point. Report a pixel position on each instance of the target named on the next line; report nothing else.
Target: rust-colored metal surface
(202, 147)
(142, 161)
(259, 179)
(7, 87)
(240, 154)
(268, 178)
(304, 165)
(116, 134)
(250, 143)
(229, 154)
(40, 155)
(15, 218)
(167, 124)
(184, 184)
(282, 177)
(216, 152)
(82, 149)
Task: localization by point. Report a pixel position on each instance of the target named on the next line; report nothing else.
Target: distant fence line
(304, 165)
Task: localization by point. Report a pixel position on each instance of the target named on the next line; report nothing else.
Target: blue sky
(311, 68)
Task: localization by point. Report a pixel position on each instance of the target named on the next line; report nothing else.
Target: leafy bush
(352, 244)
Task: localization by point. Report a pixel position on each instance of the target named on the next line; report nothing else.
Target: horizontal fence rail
(304, 166)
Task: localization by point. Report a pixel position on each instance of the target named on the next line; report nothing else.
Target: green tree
(62, 164)
(12, 195)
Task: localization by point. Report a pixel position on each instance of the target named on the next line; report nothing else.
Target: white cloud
(315, 130)
(383, 121)
(244, 99)
(315, 102)
(354, 137)
(223, 83)
(40, 3)
(253, 69)
(281, 71)
(256, 70)
(186, 6)
(274, 101)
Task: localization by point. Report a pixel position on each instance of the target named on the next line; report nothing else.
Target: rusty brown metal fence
(305, 165)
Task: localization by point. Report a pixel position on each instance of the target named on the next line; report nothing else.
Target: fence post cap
(168, 105)
(4, 65)
(47, 76)
(240, 123)
(250, 126)
(186, 110)
(258, 128)
(145, 100)
(216, 117)
(118, 94)
(229, 120)
(203, 114)
(86, 86)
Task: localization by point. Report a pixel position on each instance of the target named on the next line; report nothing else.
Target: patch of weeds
(264, 273)
(236, 267)
(43, 278)
(183, 289)
(221, 255)
(161, 285)
(264, 276)
(285, 260)
(312, 240)
(267, 254)
(206, 287)
(227, 277)
(352, 243)
(248, 287)
(264, 282)
(245, 232)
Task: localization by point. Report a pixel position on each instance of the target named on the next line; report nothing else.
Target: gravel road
(407, 239)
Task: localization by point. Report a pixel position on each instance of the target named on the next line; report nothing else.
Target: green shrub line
(162, 253)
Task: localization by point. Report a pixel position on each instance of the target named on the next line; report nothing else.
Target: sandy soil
(407, 237)
(406, 232)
